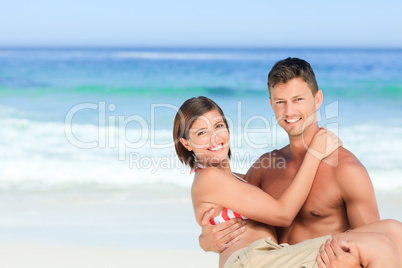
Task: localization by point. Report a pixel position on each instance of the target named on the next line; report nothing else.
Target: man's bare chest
(324, 199)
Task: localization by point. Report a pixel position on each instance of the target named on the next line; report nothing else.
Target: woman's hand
(324, 143)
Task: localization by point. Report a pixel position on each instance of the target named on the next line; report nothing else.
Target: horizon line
(198, 47)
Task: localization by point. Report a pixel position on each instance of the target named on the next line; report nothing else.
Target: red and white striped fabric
(225, 215)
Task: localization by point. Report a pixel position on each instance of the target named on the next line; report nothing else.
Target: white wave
(38, 153)
(185, 56)
(150, 55)
(388, 180)
(377, 146)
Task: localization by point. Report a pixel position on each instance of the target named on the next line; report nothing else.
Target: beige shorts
(265, 253)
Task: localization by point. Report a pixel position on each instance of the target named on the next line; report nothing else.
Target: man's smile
(292, 121)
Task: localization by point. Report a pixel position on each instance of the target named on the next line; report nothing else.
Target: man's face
(295, 106)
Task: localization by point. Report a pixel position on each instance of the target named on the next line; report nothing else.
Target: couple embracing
(317, 211)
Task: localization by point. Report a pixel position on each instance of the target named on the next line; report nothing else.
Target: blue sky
(287, 23)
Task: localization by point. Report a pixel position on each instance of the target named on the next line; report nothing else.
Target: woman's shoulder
(204, 179)
(208, 173)
(209, 176)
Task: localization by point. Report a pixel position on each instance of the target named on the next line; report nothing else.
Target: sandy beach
(90, 232)
(32, 255)
(96, 228)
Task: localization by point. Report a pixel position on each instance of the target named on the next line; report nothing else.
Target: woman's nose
(216, 137)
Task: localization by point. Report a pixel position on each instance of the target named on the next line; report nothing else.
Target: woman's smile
(216, 148)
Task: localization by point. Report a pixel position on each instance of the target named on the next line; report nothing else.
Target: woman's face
(208, 138)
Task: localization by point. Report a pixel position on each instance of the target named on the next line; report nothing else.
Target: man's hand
(334, 255)
(218, 237)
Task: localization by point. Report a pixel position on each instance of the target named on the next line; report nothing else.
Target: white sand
(44, 256)
(83, 230)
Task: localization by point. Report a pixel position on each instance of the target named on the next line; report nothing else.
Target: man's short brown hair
(285, 70)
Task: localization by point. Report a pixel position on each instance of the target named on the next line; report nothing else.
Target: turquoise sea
(82, 126)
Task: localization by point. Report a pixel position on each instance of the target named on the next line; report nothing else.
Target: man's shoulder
(347, 160)
(349, 167)
(265, 163)
(270, 160)
(353, 179)
(274, 154)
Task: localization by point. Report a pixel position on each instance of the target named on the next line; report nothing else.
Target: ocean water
(104, 116)
(98, 122)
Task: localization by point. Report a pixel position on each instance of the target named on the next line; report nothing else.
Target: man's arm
(357, 192)
(218, 237)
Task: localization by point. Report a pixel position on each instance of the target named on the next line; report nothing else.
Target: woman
(202, 142)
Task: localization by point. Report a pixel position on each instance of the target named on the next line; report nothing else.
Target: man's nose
(289, 108)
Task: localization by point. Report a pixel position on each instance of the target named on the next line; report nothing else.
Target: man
(342, 196)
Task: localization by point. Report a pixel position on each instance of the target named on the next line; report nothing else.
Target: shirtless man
(342, 196)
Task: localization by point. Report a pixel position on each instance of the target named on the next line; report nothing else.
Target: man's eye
(299, 99)
(279, 102)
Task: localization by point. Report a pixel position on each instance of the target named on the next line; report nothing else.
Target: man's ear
(318, 99)
(186, 144)
(270, 101)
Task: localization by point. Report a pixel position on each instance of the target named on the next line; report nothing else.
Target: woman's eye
(219, 126)
(200, 133)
